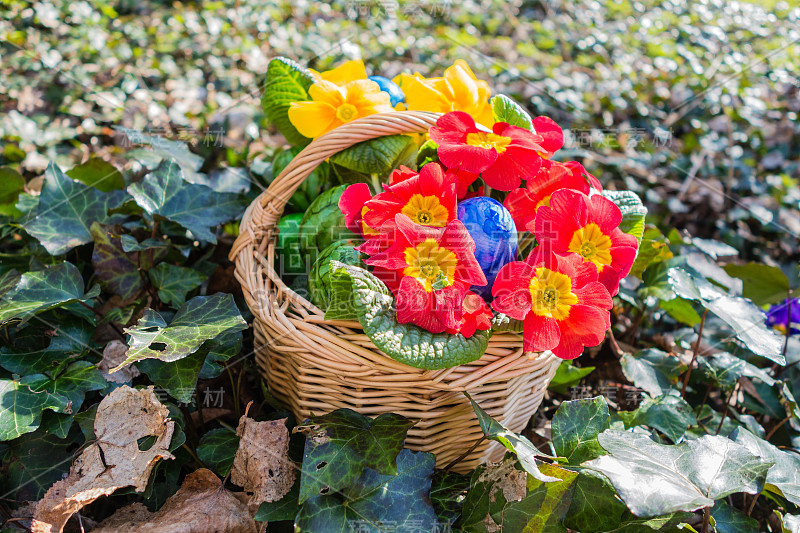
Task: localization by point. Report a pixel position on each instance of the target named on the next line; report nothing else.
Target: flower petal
(313, 119)
(541, 333)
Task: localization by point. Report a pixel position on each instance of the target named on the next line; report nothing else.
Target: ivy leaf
(447, 491)
(728, 519)
(117, 270)
(789, 523)
(42, 290)
(30, 355)
(524, 449)
(652, 370)
(11, 185)
(130, 244)
(655, 479)
(174, 282)
(378, 156)
(633, 212)
(341, 444)
(668, 413)
(681, 310)
(595, 506)
(99, 174)
(21, 407)
(567, 376)
(406, 343)
(177, 378)
(761, 283)
(217, 449)
(784, 477)
(507, 110)
(218, 350)
(164, 148)
(70, 386)
(284, 509)
(726, 369)
(576, 425)
(200, 319)
(66, 211)
(376, 502)
(286, 82)
(165, 192)
(33, 462)
(746, 320)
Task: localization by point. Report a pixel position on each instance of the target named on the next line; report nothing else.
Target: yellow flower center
(429, 263)
(543, 201)
(346, 112)
(592, 244)
(367, 230)
(552, 294)
(488, 140)
(426, 210)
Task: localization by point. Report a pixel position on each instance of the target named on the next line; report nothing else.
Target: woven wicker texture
(315, 366)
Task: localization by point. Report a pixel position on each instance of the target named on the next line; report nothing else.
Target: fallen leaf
(114, 461)
(262, 465)
(114, 354)
(202, 504)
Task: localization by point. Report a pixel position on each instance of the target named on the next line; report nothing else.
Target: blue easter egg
(492, 228)
(388, 86)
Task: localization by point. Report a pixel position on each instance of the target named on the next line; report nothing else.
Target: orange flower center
(488, 140)
(552, 294)
(592, 244)
(346, 112)
(434, 267)
(426, 210)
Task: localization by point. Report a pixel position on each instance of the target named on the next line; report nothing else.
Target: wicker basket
(315, 365)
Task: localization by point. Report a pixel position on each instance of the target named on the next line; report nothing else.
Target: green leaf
(33, 462)
(741, 315)
(217, 448)
(99, 174)
(174, 282)
(341, 444)
(761, 283)
(784, 477)
(447, 494)
(286, 82)
(200, 319)
(428, 153)
(42, 290)
(567, 376)
(652, 370)
(653, 248)
(177, 378)
(576, 425)
(164, 148)
(130, 244)
(681, 310)
(284, 509)
(11, 185)
(377, 156)
(524, 449)
(789, 523)
(22, 401)
(726, 369)
(342, 306)
(376, 502)
(668, 413)
(117, 270)
(633, 212)
(218, 350)
(654, 479)
(507, 110)
(165, 192)
(728, 519)
(595, 506)
(406, 343)
(66, 211)
(38, 349)
(503, 498)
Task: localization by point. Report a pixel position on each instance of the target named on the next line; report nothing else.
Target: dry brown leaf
(114, 461)
(201, 505)
(262, 465)
(113, 355)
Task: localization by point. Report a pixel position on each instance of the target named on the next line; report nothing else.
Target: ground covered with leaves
(132, 139)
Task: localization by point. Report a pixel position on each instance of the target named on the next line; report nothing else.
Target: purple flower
(785, 314)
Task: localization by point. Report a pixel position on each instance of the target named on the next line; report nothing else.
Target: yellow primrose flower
(458, 90)
(344, 73)
(332, 105)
